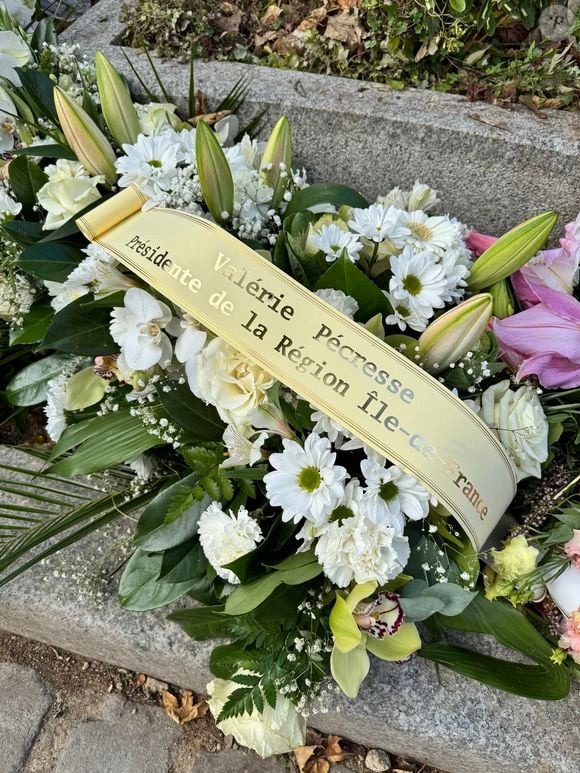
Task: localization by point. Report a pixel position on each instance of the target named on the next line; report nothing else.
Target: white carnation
(358, 549)
(225, 537)
(340, 301)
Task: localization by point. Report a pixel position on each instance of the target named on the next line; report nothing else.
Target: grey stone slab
(24, 701)
(413, 710)
(237, 761)
(125, 738)
(373, 138)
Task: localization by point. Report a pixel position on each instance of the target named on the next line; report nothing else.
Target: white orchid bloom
(138, 329)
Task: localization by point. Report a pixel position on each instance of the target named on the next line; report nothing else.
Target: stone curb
(415, 710)
(493, 167)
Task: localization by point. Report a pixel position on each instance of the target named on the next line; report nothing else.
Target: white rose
(14, 52)
(222, 376)
(519, 421)
(274, 731)
(155, 117)
(68, 190)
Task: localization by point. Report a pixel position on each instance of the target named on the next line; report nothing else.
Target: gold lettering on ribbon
(376, 393)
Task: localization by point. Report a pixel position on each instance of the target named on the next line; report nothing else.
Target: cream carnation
(520, 423)
(358, 549)
(222, 376)
(225, 537)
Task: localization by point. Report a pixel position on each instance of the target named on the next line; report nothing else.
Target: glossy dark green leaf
(24, 232)
(53, 261)
(26, 179)
(344, 275)
(34, 324)
(155, 532)
(81, 328)
(37, 89)
(325, 193)
(139, 589)
(46, 151)
(200, 420)
(183, 562)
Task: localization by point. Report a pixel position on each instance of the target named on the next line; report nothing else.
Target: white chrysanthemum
(150, 164)
(358, 549)
(62, 294)
(224, 377)
(333, 241)
(340, 301)
(187, 146)
(428, 233)
(252, 196)
(391, 494)
(456, 263)
(138, 329)
(325, 424)
(98, 272)
(241, 450)
(403, 316)
(418, 280)
(348, 505)
(55, 407)
(306, 482)
(378, 223)
(224, 537)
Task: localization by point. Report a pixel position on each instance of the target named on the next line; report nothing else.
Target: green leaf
(44, 34)
(81, 328)
(420, 601)
(139, 589)
(198, 420)
(544, 681)
(52, 261)
(225, 660)
(23, 232)
(28, 386)
(102, 442)
(46, 151)
(344, 275)
(26, 179)
(183, 562)
(202, 622)
(294, 571)
(153, 530)
(324, 193)
(34, 325)
(38, 91)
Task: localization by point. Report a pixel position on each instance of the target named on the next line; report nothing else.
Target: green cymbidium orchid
(349, 661)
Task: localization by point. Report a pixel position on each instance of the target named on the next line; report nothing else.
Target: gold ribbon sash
(372, 390)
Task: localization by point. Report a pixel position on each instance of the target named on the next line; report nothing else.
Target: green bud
(503, 299)
(454, 333)
(215, 175)
(87, 141)
(277, 157)
(376, 327)
(511, 251)
(117, 105)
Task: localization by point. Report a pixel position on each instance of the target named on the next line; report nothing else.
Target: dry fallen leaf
(228, 18)
(271, 15)
(312, 20)
(346, 4)
(302, 755)
(182, 710)
(317, 765)
(344, 27)
(333, 751)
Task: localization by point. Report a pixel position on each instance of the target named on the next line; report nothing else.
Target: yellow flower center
(420, 231)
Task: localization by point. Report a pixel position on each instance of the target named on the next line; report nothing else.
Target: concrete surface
(493, 167)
